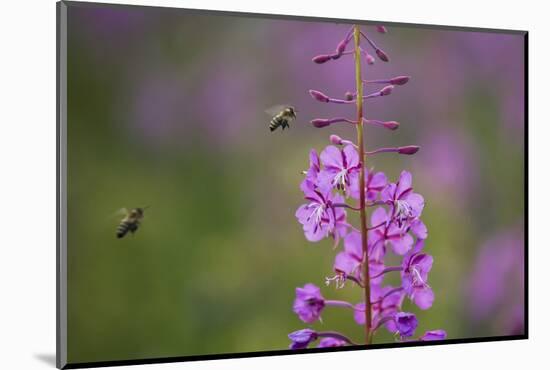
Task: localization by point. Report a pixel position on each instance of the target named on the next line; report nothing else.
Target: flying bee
(282, 116)
(130, 222)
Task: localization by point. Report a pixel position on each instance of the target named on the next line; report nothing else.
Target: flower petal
(423, 297)
(303, 213)
(419, 229)
(359, 313)
(416, 201)
(351, 156)
(378, 216)
(353, 245)
(388, 193)
(404, 184)
(402, 245)
(324, 179)
(314, 233)
(331, 156)
(314, 160)
(345, 263)
(378, 181)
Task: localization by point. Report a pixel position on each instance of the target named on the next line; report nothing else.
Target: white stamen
(340, 179)
(339, 281)
(403, 211)
(417, 278)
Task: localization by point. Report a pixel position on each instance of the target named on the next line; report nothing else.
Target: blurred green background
(166, 108)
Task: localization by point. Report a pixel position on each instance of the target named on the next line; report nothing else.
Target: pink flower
(308, 303)
(341, 168)
(318, 217)
(407, 204)
(374, 183)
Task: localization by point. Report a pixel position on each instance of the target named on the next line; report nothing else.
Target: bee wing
(118, 213)
(122, 211)
(276, 109)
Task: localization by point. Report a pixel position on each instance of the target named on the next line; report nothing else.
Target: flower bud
(408, 150)
(370, 59)
(391, 125)
(341, 47)
(302, 338)
(349, 96)
(381, 29)
(335, 139)
(400, 80)
(383, 56)
(319, 96)
(320, 122)
(386, 90)
(320, 59)
(405, 323)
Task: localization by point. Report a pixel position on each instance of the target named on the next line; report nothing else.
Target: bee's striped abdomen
(124, 227)
(276, 121)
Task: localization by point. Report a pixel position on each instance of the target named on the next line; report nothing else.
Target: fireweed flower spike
(339, 188)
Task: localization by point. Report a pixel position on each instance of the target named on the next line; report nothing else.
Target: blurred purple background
(173, 103)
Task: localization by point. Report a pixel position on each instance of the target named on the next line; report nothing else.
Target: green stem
(363, 212)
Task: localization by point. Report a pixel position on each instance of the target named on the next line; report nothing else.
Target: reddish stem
(362, 202)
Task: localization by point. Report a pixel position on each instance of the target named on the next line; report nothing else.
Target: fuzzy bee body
(283, 118)
(130, 223)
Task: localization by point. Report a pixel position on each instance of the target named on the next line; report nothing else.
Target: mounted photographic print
(234, 185)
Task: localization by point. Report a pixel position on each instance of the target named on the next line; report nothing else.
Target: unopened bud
(370, 59)
(320, 59)
(400, 80)
(320, 122)
(349, 96)
(319, 96)
(381, 29)
(335, 139)
(383, 56)
(408, 150)
(386, 90)
(341, 47)
(391, 125)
